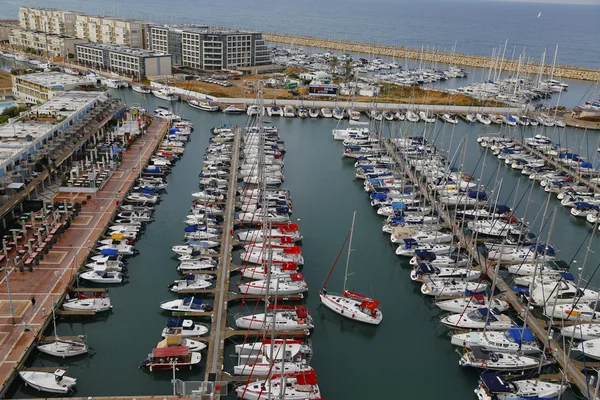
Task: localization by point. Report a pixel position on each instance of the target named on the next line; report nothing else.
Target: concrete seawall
(469, 60)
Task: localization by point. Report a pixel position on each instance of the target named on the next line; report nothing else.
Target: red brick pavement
(50, 279)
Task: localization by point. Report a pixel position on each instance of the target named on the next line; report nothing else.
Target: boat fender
(342, 311)
(484, 365)
(352, 315)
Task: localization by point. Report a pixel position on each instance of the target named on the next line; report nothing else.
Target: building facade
(124, 32)
(43, 86)
(136, 63)
(121, 31)
(47, 20)
(43, 43)
(205, 48)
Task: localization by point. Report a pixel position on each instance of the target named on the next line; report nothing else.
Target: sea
(469, 26)
(409, 355)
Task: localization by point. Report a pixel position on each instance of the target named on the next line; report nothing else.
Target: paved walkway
(52, 276)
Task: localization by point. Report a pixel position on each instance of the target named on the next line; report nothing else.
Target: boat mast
(54, 319)
(349, 250)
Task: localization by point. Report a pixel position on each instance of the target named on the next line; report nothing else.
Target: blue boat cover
(425, 255)
(494, 383)
(192, 302)
(501, 208)
(585, 164)
(398, 205)
(147, 191)
(582, 205)
(190, 277)
(410, 242)
(192, 228)
(152, 170)
(109, 252)
(478, 195)
(425, 268)
(567, 276)
(519, 334)
(398, 220)
(174, 322)
(378, 196)
(174, 130)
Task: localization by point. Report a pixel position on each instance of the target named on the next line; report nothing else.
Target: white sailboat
(62, 348)
(51, 382)
(349, 304)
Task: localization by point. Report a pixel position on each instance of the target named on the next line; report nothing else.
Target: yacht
(295, 386)
(314, 112)
(231, 109)
(141, 89)
(483, 118)
(494, 387)
(326, 113)
(253, 110)
(203, 105)
(281, 318)
(472, 303)
(478, 319)
(282, 285)
(184, 328)
(476, 357)
(516, 339)
(165, 94)
(289, 112)
(188, 305)
(277, 357)
(51, 382)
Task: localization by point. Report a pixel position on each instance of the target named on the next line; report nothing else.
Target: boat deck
(54, 275)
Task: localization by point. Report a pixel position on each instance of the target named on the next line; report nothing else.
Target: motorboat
(478, 319)
(472, 303)
(289, 112)
(302, 112)
(188, 304)
(170, 358)
(197, 264)
(338, 113)
(295, 386)
(476, 357)
(231, 109)
(103, 276)
(175, 341)
(163, 112)
(274, 110)
(183, 327)
(51, 382)
(577, 312)
(88, 303)
(191, 282)
(281, 318)
(516, 339)
(326, 113)
(314, 112)
(425, 272)
(412, 116)
(141, 89)
(450, 118)
(272, 357)
(425, 116)
(253, 109)
(165, 94)
(561, 292)
(142, 198)
(411, 246)
(494, 387)
(280, 285)
(452, 288)
(203, 105)
(117, 247)
(136, 216)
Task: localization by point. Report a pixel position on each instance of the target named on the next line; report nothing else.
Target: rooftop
(122, 49)
(56, 80)
(18, 137)
(204, 29)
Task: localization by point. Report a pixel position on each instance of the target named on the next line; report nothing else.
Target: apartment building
(43, 43)
(206, 48)
(136, 63)
(48, 20)
(43, 86)
(124, 32)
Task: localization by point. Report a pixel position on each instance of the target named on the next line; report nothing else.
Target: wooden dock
(216, 343)
(570, 368)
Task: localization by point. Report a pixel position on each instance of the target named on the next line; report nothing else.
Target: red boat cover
(288, 227)
(369, 304)
(289, 266)
(511, 219)
(297, 277)
(352, 295)
(280, 307)
(171, 351)
(287, 240)
(306, 377)
(280, 341)
(301, 312)
(479, 298)
(292, 250)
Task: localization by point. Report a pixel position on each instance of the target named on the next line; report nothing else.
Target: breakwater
(436, 56)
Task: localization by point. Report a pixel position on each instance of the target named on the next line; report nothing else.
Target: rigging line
(336, 259)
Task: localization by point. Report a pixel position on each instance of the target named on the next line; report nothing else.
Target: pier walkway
(216, 343)
(52, 278)
(570, 368)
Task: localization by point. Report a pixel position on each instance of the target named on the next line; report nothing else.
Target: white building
(43, 43)
(136, 63)
(48, 20)
(124, 32)
(316, 76)
(43, 86)
(206, 48)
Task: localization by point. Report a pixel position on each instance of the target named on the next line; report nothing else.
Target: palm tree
(347, 67)
(333, 63)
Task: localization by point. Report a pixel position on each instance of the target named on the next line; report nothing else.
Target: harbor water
(409, 351)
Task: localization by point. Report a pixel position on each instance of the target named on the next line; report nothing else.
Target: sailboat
(539, 15)
(351, 305)
(62, 348)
